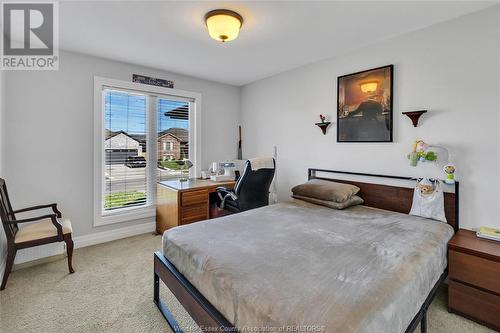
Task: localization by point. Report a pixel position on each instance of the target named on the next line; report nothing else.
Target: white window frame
(149, 210)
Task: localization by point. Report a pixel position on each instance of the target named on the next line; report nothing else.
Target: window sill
(125, 215)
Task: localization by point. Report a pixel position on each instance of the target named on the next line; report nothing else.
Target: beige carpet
(111, 291)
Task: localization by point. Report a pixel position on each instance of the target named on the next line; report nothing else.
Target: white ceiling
(276, 35)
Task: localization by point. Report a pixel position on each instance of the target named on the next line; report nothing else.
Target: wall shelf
(414, 116)
(323, 126)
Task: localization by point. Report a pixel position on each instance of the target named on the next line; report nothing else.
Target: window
(125, 178)
(142, 134)
(168, 146)
(173, 131)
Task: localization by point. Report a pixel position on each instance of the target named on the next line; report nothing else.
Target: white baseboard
(111, 235)
(53, 249)
(2, 268)
(3, 254)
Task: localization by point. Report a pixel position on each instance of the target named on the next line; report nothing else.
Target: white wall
(2, 127)
(49, 118)
(3, 240)
(451, 69)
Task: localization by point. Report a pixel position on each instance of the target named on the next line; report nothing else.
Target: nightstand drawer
(474, 270)
(194, 197)
(475, 303)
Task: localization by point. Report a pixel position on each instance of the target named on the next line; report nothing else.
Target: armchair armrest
(52, 205)
(53, 217)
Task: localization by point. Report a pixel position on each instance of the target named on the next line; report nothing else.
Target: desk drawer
(474, 270)
(194, 197)
(477, 304)
(193, 219)
(194, 213)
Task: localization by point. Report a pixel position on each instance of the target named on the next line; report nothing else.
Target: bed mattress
(297, 266)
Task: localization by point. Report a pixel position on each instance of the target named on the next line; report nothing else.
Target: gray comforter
(294, 264)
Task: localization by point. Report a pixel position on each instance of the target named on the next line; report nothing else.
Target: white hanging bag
(428, 205)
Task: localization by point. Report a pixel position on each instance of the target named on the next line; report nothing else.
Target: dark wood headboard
(389, 197)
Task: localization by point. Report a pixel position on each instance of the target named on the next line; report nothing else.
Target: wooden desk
(180, 203)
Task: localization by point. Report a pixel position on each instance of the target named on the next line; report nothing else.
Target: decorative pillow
(326, 190)
(352, 201)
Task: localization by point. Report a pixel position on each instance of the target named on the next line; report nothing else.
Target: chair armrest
(225, 194)
(52, 205)
(224, 189)
(53, 217)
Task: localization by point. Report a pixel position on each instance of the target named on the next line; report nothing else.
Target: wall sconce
(369, 87)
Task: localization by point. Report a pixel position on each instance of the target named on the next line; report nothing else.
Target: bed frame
(388, 197)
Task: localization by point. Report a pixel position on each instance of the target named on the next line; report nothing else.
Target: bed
(296, 266)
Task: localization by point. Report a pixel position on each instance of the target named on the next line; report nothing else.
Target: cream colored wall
(451, 69)
(3, 241)
(54, 109)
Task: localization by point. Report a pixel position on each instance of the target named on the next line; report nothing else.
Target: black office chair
(251, 190)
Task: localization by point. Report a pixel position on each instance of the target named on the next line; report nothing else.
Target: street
(120, 178)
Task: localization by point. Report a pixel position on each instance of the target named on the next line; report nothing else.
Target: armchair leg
(11, 255)
(69, 251)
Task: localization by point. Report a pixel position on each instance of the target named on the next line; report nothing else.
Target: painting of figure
(364, 106)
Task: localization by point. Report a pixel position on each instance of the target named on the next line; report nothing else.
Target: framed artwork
(364, 106)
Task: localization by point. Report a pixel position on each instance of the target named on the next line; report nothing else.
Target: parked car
(135, 162)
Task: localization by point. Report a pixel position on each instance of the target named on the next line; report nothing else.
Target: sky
(127, 112)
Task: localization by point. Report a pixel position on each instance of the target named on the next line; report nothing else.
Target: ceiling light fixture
(223, 24)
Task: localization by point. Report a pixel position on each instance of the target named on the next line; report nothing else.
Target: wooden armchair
(48, 228)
